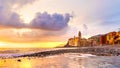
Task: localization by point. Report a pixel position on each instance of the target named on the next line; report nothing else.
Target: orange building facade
(111, 38)
(75, 41)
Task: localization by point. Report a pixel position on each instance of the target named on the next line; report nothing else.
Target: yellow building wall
(71, 42)
(76, 41)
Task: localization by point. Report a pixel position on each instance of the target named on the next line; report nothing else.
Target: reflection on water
(62, 61)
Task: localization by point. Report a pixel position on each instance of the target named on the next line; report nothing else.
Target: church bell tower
(79, 38)
(79, 35)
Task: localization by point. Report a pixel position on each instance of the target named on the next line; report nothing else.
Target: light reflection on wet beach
(47, 62)
(62, 61)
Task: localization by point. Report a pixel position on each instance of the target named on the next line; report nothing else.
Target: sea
(67, 60)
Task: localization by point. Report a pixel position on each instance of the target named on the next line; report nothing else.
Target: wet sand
(72, 58)
(69, 60)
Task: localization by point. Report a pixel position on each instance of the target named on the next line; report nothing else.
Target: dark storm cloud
(12, 21)
(43, 27)
(8, 18)
(50, 22)
(45, 21)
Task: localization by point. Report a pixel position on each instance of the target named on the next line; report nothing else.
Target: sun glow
(2, 44)
(26, 18)
(31, 44)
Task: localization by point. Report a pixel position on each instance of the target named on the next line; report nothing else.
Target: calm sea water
(69, 60)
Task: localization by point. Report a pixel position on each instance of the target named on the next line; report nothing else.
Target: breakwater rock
(97, 50)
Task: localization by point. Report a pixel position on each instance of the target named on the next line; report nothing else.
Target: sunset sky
(50, 23)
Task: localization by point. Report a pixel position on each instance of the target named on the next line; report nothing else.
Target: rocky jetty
(96, 50)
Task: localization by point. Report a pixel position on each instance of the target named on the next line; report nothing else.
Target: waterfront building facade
(75, 41)
(111, 38)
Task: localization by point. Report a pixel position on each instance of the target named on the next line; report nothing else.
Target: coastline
(95, 50)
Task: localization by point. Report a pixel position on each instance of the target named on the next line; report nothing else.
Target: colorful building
(103, 39)
(111, 38)
(95, 40)
(75, 41)
(117, 38)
